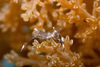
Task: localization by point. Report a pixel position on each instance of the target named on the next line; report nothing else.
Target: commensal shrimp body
(41, 36)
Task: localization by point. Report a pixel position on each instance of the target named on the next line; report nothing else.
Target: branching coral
(9, 17)
(81, 17)
(69, 17)
(56, 54)
(64, 13)
(36, 9)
